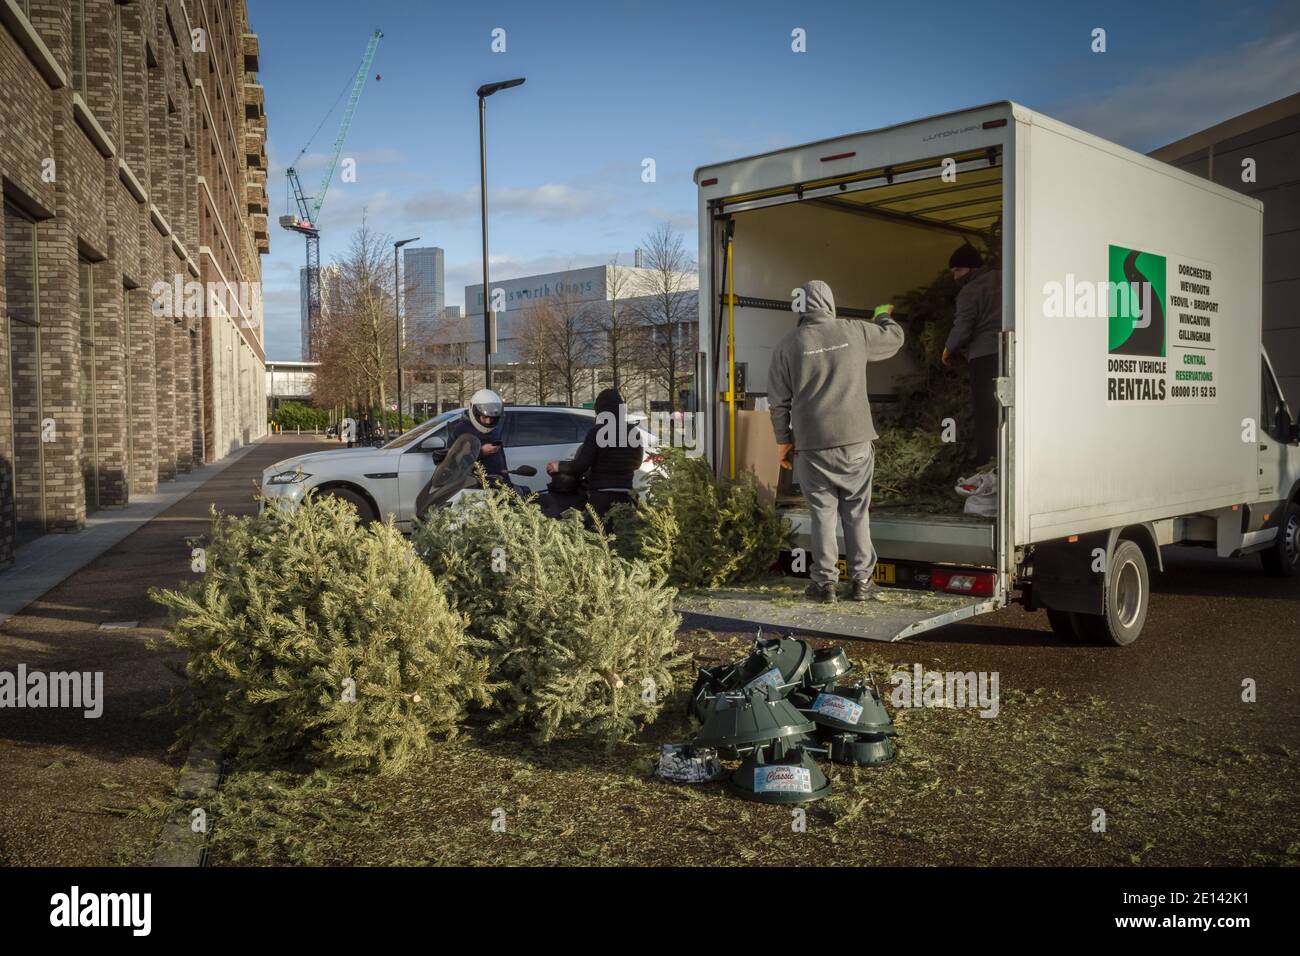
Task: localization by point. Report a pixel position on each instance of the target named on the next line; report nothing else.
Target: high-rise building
(423, 300)
(133, 161)
(329, 299)
(304, 314)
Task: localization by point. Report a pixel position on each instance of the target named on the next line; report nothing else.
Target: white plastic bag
(981, 493)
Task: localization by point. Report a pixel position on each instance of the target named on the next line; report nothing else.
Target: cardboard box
(756, 452)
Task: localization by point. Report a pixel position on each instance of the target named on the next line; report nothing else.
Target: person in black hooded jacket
(608, 457)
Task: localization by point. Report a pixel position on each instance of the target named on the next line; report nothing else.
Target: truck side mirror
(1282, 423)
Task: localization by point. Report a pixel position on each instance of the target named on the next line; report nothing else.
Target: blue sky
(687, 84)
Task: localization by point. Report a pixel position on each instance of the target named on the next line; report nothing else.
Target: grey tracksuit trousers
(836, 483)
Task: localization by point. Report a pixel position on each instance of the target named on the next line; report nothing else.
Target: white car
(385, 481)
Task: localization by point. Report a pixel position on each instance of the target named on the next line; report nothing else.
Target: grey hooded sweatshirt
(817, 382)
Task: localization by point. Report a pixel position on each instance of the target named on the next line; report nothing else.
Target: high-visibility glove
(882, 310)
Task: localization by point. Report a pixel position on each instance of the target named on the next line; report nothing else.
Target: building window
(23, 376)
(78, 50)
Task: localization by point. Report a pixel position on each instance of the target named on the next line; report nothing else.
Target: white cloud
(1166, 103)
(549, 202)
(313, 164)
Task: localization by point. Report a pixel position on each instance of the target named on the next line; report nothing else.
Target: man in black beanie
(608, 457)
(975, 331)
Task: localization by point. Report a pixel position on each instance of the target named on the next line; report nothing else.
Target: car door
(1274, 435)
(535, 436)
(416, 467)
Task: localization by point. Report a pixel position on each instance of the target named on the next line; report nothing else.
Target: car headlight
(288, 478)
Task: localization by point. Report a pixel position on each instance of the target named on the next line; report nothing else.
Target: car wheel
(365, 514)
(1126, 595)
(1283, 559)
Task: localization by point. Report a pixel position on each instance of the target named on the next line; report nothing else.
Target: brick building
(133, 163)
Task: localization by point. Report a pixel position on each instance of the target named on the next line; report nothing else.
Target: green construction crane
(307, 219)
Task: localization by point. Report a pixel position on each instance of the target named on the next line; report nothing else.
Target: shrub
(699, 531)
(300, 610)
(579, 640)
(291, 415)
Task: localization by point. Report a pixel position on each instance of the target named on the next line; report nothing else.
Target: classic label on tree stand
(770, 678)
(839, 708)
(782, 780)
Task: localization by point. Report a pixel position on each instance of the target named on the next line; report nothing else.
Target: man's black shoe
(823, 593)
(862, 590)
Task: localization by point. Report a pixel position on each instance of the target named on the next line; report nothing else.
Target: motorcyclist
(608, 458)
(485, 420)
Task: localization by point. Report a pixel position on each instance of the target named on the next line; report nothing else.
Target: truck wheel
(1063, 625)
(1283, 559)
(359, 504)
(1126, 595)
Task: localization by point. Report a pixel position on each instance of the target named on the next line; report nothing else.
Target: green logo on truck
(1137, 302)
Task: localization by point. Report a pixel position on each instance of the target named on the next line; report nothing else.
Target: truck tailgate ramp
(893, 613)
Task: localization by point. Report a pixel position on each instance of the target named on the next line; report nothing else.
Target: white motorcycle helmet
(486, 409)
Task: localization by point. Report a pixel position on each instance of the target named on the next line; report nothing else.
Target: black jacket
(602, 468)
(492, 464)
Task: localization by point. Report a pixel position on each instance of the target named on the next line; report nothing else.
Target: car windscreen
(422, 429)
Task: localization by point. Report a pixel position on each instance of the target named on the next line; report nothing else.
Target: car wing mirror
(524, 471)
(434, 443)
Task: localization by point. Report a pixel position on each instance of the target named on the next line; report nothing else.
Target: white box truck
(1125, 425)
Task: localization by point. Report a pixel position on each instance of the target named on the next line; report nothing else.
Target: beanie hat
(966, 257)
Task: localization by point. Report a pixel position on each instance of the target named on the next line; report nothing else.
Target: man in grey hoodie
(817, 388)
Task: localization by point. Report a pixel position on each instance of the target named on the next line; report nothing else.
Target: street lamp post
(397, 317)
(484, 91)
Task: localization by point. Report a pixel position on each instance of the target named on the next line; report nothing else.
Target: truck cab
(1279, 477)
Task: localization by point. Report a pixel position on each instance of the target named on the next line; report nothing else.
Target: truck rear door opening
(1096, 470)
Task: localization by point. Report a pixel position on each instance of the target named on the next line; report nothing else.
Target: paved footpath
(67, 782)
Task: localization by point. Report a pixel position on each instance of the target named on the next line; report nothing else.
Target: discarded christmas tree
(580, 641)
(926, 437)
(311, 636)
(699, 531)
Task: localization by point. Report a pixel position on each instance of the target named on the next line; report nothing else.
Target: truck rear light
(709, 182)
(962, 582)
(831, 159)
(994, 124)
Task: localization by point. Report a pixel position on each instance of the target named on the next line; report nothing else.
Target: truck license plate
(883, 574)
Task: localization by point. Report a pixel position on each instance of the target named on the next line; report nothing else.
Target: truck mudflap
(891, 615)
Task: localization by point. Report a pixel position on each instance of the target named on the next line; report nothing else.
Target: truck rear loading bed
(957, 539)
(778, 604)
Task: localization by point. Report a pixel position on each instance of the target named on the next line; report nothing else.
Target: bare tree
(532, 345)
(668, 311)
(567, 324)
(618, 325)
(357, 335)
